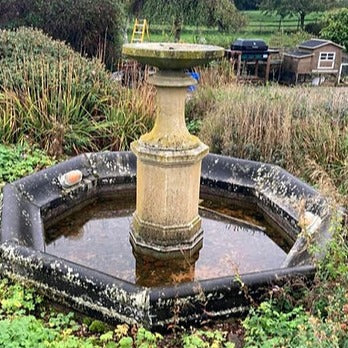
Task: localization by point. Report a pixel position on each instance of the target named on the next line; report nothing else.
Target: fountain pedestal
(166, 223)
(166, 219)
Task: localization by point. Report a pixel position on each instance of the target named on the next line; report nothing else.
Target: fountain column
(166, 221)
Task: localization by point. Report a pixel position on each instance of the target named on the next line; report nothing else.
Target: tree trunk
(177, 29)
(220, 25)
(302, 20)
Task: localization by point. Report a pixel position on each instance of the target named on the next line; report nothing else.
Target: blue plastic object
(196, 76)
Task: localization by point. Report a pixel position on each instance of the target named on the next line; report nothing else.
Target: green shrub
(335, 27)
(53, 97)
(26, 320)
(91, 26)
(16, 162)
(314, 28)
(145, 338)
(97, 326)
(268, 327)
(28, 331)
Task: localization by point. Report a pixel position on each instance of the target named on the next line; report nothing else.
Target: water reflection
(154, 272)
(98, 237)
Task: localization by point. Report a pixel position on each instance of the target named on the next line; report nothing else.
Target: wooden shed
(313, 57)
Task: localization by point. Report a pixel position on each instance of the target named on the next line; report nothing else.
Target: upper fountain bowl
(172, 56)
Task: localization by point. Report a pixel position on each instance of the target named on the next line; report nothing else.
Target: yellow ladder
(140, 28)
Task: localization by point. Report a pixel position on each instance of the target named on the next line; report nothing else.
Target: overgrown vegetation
(335, 27)
(53, 97)
(27, 320)
(303, 129)
(316, 318)
(91, 27)
(18, 161)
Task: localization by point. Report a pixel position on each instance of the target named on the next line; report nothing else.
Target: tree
(277, 7)
(335, 27)
(247, 5)
(304, 7)
(300, 8)
(93, 27)
(220, 13)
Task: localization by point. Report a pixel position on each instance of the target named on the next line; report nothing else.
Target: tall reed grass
(53, 111)
(302, 129)
(63, 102)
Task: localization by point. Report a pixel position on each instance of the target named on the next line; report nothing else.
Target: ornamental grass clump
(54, 97)
(302, 129)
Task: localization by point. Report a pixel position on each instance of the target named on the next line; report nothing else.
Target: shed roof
(298, 54)
(316, 43)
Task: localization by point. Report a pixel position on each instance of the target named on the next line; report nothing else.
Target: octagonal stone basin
(33, 247)
(172, 56)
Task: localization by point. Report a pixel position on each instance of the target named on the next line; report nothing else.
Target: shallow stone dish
(172, 56)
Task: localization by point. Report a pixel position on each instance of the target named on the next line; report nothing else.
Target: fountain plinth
(166, 221)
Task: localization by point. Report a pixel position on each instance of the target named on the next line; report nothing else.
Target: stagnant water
(97, 236)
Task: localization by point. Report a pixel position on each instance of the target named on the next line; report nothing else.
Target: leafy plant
(335, 27)
(147, 339)
(194, 126)
(126, 342)
(268, 327)
(27, 331)
(206, 339)
(63, 321)
(14, 299)
(20, 328)
(97, 326)
(18, 161)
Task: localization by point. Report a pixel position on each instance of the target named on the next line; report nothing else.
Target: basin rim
(149, 306)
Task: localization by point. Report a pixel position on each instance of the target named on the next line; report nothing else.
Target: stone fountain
(166, 221)
(61, 234)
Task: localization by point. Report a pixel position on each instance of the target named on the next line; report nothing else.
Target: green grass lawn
(257, 18)
(260, 25)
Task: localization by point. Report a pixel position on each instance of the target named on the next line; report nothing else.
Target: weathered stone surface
(172, 56)
(169, 158)
(166, 218)
(34, 201)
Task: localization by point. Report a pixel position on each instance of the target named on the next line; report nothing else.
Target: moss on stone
(172, 56)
